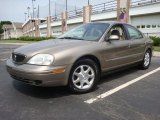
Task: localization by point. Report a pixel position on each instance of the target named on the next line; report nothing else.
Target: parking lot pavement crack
(132, 109)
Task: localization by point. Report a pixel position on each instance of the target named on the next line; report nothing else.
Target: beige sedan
(79, 57)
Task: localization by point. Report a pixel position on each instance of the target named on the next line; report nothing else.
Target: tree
(1, 30)
(3, 23)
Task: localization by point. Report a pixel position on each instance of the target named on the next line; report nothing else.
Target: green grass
(15, 41)
(157, 48)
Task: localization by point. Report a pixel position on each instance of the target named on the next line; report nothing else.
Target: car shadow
(41, 92)
(56, 92)
(113, 75)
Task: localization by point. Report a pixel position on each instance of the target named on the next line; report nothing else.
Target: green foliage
(1, 30)
(1, 25)
(5, 22)
(27, 38)
(156, 40)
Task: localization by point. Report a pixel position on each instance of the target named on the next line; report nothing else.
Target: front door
(116, 53)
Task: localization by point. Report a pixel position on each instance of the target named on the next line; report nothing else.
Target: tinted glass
(133, 32)
(90, 31)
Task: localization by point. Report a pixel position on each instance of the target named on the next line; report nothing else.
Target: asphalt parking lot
(130, 94)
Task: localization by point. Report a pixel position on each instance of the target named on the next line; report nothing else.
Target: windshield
(90, 31)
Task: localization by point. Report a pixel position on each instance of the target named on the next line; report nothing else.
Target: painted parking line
(4, 59)
(5, 52)
(112, 91)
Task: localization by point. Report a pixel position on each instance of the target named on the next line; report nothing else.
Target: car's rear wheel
(146, 60)
(84, 76)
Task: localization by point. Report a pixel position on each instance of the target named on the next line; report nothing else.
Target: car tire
(146, 60)
(83, 76)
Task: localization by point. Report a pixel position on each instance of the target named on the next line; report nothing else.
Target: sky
(13, 10)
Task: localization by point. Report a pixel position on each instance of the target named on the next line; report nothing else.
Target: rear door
(138, 44)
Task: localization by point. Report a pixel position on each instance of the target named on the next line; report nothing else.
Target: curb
(13, 43)
(156, 54)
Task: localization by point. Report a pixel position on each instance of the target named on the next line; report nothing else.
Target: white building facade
(144, 14)
(13, 30)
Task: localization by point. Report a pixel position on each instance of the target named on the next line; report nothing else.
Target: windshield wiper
(71, 38)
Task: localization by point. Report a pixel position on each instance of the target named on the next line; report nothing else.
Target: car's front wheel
(84, 76)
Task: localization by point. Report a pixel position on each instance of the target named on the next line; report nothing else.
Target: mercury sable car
(78, 58)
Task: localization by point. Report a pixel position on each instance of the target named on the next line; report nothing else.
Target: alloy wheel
(147, 59)
(83, 77)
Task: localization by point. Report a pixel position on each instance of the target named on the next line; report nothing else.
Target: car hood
(50, 46)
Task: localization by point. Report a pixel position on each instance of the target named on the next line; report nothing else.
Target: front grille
(18, 57)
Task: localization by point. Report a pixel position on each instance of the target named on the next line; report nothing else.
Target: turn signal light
(58, 70)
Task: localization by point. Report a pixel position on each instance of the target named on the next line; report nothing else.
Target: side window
(119, 31)
(78, 33)
(133, 33)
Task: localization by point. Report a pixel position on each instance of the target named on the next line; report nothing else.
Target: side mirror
(113, 37)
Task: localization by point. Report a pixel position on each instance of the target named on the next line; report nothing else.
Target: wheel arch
(150, 49)
(91, 57)
(85, 57)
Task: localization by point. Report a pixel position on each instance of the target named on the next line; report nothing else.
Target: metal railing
(103, 8)
(157, 34)
(56, 18)
(75, 13)
(143, 2)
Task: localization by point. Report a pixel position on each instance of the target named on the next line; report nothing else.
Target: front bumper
(38, 75)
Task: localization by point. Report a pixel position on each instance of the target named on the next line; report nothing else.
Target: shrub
(27, 38)
(156, 40)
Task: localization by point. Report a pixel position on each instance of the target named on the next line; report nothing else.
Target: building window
(148, 26)
(143, 26)
(153, 26)
(158, 26)
(138, 26)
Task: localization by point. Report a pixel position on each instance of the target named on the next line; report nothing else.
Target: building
(12, 31)
(31, 27)
(144, 14)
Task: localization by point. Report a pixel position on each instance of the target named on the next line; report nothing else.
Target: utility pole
(49, 21)
(37, 30)
(66, 6)
(33, 7)
(49, 8)
(32, 24)
(25, 15)
(55, 9)
(38, 12)
(75, 8)
(88, 2)
(28, 8)
(32, 19)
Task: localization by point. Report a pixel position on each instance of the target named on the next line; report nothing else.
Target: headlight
(41, 59)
